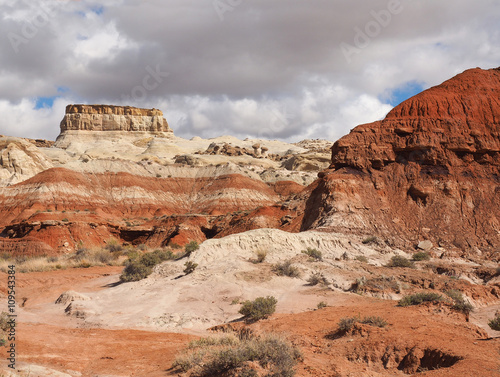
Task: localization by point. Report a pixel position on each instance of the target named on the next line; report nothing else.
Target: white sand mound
(169, 300)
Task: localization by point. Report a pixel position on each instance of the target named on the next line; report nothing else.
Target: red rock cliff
(429, 170)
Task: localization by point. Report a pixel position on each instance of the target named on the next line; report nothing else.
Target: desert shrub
(113, 245)
(260, 308)
(495, 323)
(347, 323)
(376, 284)
(142, 247)
(164, 255)
(286, 269)
(84, 264)
(260, 256)
(102, 256)
(374, 321)
(419, 298)
(274, 353)
(361, 258)
(225, 340)
(420, 256)
(322, 305)
(459, 303)
(135, 271)
(399, 261)
(190, 247)
(150, 259)
(313, 253)
(369, 240)
(317, 278)
(189, 267)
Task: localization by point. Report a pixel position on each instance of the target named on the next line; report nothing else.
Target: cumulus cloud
(259, 69)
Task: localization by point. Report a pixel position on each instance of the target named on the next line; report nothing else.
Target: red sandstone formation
(429, 170)
(61, 207)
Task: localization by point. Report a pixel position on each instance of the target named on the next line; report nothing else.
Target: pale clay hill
(97, 139)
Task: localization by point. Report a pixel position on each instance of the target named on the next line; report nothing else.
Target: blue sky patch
(44, 102)
(397, 95)
(97, 10)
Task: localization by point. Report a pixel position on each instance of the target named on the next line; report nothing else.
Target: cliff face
(60, 207)
(113, 118)
(449, 125)
(429, 170)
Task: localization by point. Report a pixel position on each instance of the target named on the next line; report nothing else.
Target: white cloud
(269, 68)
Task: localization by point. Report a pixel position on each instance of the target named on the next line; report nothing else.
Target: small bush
(286, 269)
(361, 258)
(495, 323)
(376, 284)
(260, 256)
(346, 324)
(459, 303)
(419, 298)
(369, 240)
(317, 278)
(313, 253)
(135, 271)
(190, 247)
(150, 259)
(189, 267)
(399, 261)
(322, 305)
(102, 256)
(260, 308)
(113, 245)
(374, 321)
(274, 353)
(420, 256)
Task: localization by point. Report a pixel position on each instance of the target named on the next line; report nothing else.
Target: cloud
(273, 69)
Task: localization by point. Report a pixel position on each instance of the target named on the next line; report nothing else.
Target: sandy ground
(137, 329)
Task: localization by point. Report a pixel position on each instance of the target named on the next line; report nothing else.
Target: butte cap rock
(113, 118)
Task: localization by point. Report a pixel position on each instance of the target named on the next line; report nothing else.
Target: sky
(274, 69)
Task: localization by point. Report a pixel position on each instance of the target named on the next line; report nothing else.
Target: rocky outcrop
(452, 124)
(20, 160)
(113, 118)
(429, 170)
(62, 208)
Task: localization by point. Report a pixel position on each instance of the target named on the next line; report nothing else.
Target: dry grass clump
(286, 269)
(419, 298)
(313, 253)
(260, 308)
(495, 323)
(346, 324)
(377, 284)
(399, 261)
(242, 356)
(317, 278)
(459, 303)
(82, 258)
